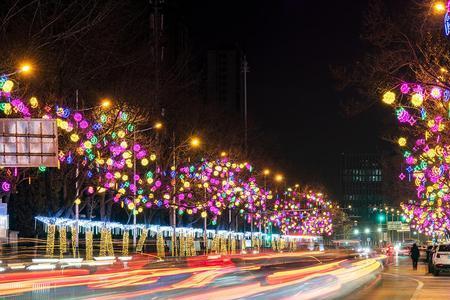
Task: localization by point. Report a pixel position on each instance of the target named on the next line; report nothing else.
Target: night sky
(290, 46)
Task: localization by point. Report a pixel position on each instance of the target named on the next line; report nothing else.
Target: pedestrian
(415, 254)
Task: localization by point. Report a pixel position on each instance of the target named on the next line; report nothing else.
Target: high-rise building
(362, 183)
(224, 78)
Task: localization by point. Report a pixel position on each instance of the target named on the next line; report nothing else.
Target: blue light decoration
(446, 95)
(3, 79)
(447, 24)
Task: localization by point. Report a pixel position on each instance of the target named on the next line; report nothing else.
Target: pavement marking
(419, 287)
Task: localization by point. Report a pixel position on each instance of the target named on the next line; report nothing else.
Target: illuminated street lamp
(356, 231)
(279, 178)
(195, 142)
(379, 229)
(367, 230)
(439, 7)
(135, 212)
(25, 68)
(105, 103)
(266, 172)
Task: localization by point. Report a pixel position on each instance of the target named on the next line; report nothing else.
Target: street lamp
(105, 103)
(279, 178)
(195, 142)
(356, 231)
(439, 7)
(25, 68)
(367, 230)
(135, 212)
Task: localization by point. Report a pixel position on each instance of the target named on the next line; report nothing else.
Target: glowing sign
(28, 143)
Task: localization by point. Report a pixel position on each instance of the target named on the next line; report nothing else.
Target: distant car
(441, 259)
(423, 252)
(402, 250)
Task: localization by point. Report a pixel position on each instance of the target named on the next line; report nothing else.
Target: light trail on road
(280, 276)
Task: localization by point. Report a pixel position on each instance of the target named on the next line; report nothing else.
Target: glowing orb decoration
(8, 86)
(436, 93)
(389, 97)
(402, 142)
(404, 88)
(6, 186)
(417, 99)
(34, 102)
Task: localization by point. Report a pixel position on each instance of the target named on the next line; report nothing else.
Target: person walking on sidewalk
(415, 254)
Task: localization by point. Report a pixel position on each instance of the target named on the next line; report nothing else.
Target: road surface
(400, 282)
(266, 276)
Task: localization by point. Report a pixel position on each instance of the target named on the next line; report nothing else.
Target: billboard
(28, 143)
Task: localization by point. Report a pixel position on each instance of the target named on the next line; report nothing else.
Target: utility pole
(157, 28)
(245, 70)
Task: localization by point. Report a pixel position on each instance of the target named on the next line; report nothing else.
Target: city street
(306, 275)
(400, 282)
(206, 150)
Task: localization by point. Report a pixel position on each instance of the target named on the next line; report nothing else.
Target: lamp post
(194, 142)
(156, 126)
(105, 103)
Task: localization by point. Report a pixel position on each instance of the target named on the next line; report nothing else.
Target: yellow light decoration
(34, 102)
(121, 134)
(204, 214)
(142, 238)
(131, 206)
(126, 154)
(109, 243)
(144, 162)
(125, 177)
(62, 241)
(64, 125)
(50, 246)
(74, 137)
(182, 239)
(77, 201)
(90, 245)
(160, 245)
(402, 142)
(123, 144)
(417, 100)
(149, 180)
(117, 175)
(8, 86)
(103, 240)
(109, 162)
(190, 245)
(8, 108)
(87, 144)
(152, 157)
(73, 231)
